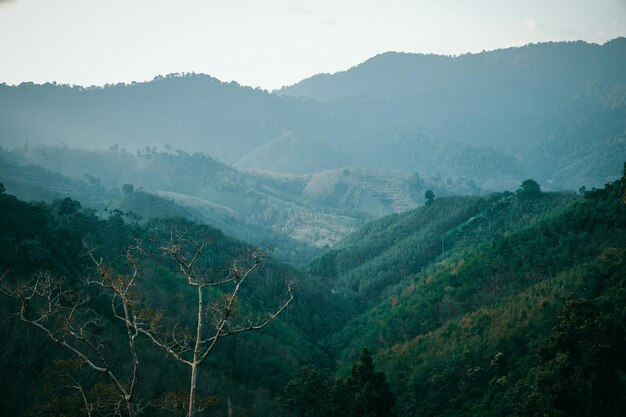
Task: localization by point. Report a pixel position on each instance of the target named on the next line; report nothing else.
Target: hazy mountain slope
(555, 112)
(194, 112)
(546, 70)
(549, 106)
(259, 209)
(297, 215)
(290, 153)
(32, 182)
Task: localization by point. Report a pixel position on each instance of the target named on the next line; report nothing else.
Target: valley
(419, 235)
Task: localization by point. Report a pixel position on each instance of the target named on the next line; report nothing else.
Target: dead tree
(215, 319)
(46, 303)
(63, 316)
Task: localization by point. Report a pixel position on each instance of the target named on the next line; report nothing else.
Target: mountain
(554, 112)
(554, 109)
(509, 304)
(505, 304)
(298, 215)
(475, 302)
(193, 112)
(40, 242)
(485, 74)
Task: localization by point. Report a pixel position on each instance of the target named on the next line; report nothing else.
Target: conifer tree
(372, 396)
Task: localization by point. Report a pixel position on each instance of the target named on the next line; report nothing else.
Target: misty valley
(419, 235)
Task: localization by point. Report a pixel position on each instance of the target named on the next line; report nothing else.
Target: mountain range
(452, 230)
(551, 111)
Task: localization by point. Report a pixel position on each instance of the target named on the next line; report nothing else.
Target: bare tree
(46, 303)
(216, 318)
(62, 315)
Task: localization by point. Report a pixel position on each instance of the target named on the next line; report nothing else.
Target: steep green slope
(245, 370)
(488, 326)
(497, 360)
(388, 251)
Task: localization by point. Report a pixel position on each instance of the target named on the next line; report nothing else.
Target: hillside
(470, 306)
(467, 300)
(548, 107)
(385, 252)
(552, 111)
(36, 237)
(297, 215)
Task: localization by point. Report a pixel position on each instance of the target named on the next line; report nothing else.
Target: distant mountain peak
(402, 67)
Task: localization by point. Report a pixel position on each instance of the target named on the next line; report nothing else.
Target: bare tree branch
(187, 252)
(46, 304)
(60, 314)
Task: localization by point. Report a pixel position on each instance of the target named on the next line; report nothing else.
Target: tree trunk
(196, 356)
(192, 388)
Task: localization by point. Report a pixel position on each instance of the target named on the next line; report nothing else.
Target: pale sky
(270, 43)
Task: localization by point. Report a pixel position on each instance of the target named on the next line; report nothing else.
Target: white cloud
(531, 24)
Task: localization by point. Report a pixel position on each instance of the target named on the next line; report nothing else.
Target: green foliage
(365, 393)
(308, 393)
(475, 306)
(582, 367)
(429, 196)
(529, 189)
(38, 236)
(461, 334)
(372, 397)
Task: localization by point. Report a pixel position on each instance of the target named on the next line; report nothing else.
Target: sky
(271, 43)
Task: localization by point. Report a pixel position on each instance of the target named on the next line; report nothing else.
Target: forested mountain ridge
(554, 112)
(411, 73)
(297, 215)
(557, 102)
(526, 292)
(494, 323)
(194, 112)
(390, 250)
(54, 240)
(382, 186)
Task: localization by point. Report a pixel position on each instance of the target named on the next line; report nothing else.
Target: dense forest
(57, 239)
(296, 215)
(507, 304)
(399, 239)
